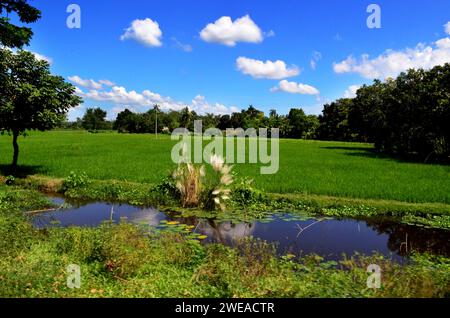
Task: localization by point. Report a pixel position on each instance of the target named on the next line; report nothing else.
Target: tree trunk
(16, 150)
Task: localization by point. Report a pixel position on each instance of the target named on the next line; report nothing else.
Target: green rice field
(309, 167)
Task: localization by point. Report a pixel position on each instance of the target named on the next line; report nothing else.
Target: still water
(329, 238)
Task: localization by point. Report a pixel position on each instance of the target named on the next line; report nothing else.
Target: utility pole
(156, 108)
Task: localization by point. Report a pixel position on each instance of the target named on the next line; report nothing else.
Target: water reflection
(330, 238)
(406, 238)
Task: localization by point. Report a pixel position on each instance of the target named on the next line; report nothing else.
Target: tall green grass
(313, 167)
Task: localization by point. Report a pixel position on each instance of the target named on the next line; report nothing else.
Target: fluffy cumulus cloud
(295, 88)
(350, 92)
(106, 82)
(122, 98)
(201, 105)
(392, 62)
(144, 31)
(228, 32)
(87, 83)
(267, 69)
(447, 28)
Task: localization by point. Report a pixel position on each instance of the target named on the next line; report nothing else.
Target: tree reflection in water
(404, 239)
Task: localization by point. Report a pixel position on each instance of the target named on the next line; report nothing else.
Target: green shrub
(75, 181)
(245, 195)
(167, 187)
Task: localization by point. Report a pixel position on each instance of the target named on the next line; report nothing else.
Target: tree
(186, 118)
(311, 126)
(273, 113)
(224, 122)
(171, 120)
(334, 121)
(407, 116)
(126, 121)
(210, 121)
(297, 121)
(11, 35)
(94, 119)
(31, 98)
(252, 118)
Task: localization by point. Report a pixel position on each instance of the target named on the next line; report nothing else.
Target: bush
(167, 187)
(245, 195)
(75, 181)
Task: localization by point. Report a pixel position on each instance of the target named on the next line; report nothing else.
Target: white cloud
(447, 28)
(268, 69)
(201, 105)
(317, 56)
(269, 34)
(391, 62)
(106, 82)
(88, 83)
(350, 92)
(144, 31)
(120, 96)
(295, 88)
(181, 46)
(41, 57)
(228, 32)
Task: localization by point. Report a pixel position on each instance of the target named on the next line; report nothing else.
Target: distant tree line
(294, 125)
(93, 120)
(407, 116)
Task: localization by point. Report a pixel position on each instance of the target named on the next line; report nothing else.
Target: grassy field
(313, 167)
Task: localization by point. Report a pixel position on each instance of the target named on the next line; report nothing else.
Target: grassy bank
(347, 170)
(126, 261)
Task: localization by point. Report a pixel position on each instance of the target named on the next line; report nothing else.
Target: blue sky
(177, 64)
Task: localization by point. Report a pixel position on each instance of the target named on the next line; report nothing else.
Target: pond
(329, 238)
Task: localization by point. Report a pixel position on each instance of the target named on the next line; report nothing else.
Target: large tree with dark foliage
(12, 35)
(409, 115)
(334, 121)
(94, 119)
